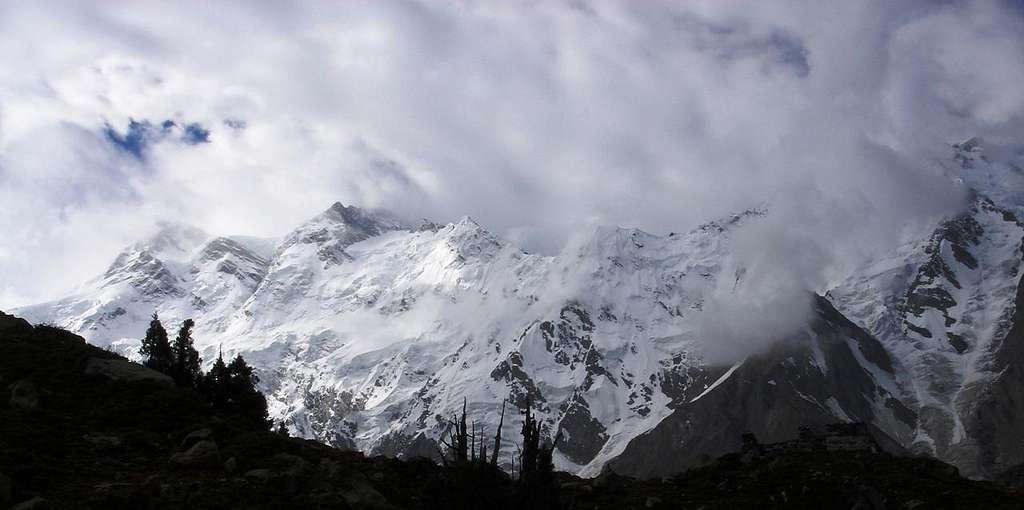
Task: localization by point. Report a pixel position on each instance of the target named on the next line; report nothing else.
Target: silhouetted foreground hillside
(84, 428)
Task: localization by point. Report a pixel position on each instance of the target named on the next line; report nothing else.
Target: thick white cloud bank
(538, 119)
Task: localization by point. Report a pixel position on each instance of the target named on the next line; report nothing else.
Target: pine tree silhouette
(185, 369)
(216, 384)
(243, 395)
(156, 350)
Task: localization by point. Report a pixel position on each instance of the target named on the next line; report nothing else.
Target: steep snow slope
(944, 306)
(179, 272)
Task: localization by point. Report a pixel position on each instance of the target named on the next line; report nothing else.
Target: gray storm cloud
(538, 119)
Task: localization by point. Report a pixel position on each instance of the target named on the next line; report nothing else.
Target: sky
(538, 119)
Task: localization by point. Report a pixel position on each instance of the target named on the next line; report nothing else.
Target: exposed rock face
(147, 274)
(581, 436)
(833, 369)
(949, 313)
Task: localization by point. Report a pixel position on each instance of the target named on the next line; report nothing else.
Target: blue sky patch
(140, 135)
(195, 133)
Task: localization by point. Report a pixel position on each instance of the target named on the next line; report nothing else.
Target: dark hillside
(84, 428)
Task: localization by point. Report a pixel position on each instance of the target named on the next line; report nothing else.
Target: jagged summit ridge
(365, 329)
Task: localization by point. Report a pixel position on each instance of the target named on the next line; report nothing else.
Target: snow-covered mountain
(368, 331)
(948, 307)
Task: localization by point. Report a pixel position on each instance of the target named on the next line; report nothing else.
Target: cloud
(538, 119)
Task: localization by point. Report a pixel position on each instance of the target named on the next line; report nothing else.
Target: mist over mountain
(659, 227)
(367, 330)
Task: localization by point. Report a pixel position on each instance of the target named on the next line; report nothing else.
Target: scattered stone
(203, 453)
(124, 370)
(377, 477)
(24, 395)
(652, 501)
(230, 465)
(36, 503)
(194, 437)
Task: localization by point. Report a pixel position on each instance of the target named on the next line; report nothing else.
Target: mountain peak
(467, 221)
(345, 224)
(172, 240)
(373, 221)
(969, 145)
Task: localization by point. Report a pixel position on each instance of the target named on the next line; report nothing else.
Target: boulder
(24, 395)
(202, 454)
(230, 465)
(194, 437)
(124, 370)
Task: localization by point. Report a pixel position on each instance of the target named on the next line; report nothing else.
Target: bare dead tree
(497, 436)
(457, 443)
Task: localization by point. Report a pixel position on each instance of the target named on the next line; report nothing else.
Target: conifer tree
(185, 370)
(156, 350)
(243, 395)
(217, 383)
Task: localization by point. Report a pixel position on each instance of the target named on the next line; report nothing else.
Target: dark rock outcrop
(804, 381)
